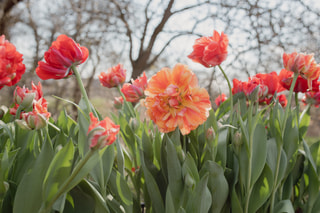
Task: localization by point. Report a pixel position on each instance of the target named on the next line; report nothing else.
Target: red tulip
(63, 53)
(135, 91)
(11, 66)
(113, 77)
(102, 133)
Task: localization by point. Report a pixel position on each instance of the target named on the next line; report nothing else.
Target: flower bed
(247, 156)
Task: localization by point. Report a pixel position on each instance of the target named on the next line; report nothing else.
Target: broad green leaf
(304, 121)
(235, 202)
(290, 138)
(282, 166)
(272, 154)
(169, 203)
(200, 200)
(189, 168)
(28, 197)
(101, 172)
(259, 152)
(58, 171)
(175, 181)
(261, 189)
(217, 185)
(284, 206)
(153, 189)
(100, 204)
(222, 147)
(120, 188)
(80, 171)
(316, 207)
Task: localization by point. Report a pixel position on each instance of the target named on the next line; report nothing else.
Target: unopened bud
(189, 181)
(210, 134)
(237, 139)
(134, 124)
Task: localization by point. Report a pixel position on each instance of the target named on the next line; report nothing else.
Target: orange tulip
(303, 64)
(210, 51)
(174, 99)
(135, 91)
(102, 133)
(113, 77)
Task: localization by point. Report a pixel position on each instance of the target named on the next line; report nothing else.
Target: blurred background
(146, 35)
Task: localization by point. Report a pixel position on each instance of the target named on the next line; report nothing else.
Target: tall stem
(279, 146)
(82, 89)
(230, 89)
(65, 185)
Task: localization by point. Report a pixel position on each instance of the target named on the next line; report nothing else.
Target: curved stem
(83, 90)
(230, 89)
(279, 146)
(65, 185)
(295, 77)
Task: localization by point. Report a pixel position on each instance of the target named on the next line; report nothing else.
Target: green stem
(102, 182)
(131, 111)
(82, 89)
(279, 146)
(40, 137)
(65, 185)
(275, 186)
(230, 90)
(295, 77)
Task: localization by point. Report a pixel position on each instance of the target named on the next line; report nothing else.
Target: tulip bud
(118, 102)
(34, 120)
(189, 181)
(3, 111)
(237, 139)
(134, 124)
(24, 97)
(210, 134)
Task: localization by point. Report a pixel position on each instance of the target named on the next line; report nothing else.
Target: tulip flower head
(11, 66)
(113, 77)
(210, 51)
(174, 99)
(302, 64)
(220, 99)
(102, 133)
(312, 98)
(61, 56)
(135, 91)
(37, 118)
(286, 78)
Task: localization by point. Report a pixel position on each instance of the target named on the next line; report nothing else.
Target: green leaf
(261, 189)
(174, 172)
(169, 203)
(217, 185)
(120, 188)
(272, 154)
(284, 206)
(58, 171)
(189, 168)
(153, 188)
(83, 121)
(28, 197)
(222, 147)
(100, 204)
(304, 121)
(290, 138)
(101, 172)
(259, 152)
(200, 200)
(90, 160)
